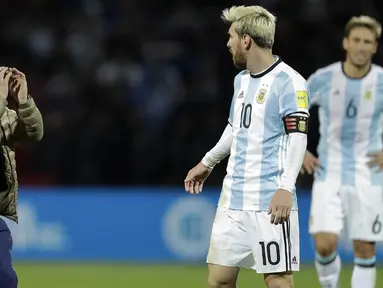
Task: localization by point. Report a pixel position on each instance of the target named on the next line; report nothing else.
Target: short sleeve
(314, 84)
(294, 98)
(237, 86)
(380, 89)
(231, 113)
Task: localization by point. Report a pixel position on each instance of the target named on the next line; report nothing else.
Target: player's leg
(8, 277)
(364, 272)
(279, 280)
(326, 223)
(364, 216)
(228, 249)
(327, 261)
(275, 248)
(222, 277)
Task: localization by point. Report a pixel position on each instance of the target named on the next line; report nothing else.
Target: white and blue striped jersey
(258, 150)
(350, 115)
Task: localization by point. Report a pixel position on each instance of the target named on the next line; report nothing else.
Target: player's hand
(376, 160)
(280, 206)
(196, 177)
(5, 75)
(19, 87)
(310, 163)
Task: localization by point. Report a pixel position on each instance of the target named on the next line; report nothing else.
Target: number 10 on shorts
(270, 253)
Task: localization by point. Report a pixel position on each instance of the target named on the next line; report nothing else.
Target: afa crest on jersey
(302, 126)
(368, 95)
(260, 98)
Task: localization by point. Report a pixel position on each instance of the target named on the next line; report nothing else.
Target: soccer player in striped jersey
(256, 224)
(348, 181)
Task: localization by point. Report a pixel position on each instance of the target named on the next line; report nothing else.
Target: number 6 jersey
(265, 109)
(350, 114)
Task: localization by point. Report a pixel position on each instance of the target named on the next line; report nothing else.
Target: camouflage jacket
(23, 124)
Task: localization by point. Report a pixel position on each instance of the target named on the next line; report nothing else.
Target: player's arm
(196, 177)
(294, 105)
(28, 124)
(376, 157)
(220, 150)
(314, 84)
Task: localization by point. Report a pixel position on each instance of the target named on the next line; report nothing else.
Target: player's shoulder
(377, 69)
(333, 67)
(240, 75)
(326, 71)
(377, 73)
(285, 74)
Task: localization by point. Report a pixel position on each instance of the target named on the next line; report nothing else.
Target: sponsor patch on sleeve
(302, 99)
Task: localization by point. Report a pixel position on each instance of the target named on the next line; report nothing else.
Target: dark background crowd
(136, 92)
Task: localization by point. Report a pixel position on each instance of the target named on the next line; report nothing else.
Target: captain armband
(296, 124)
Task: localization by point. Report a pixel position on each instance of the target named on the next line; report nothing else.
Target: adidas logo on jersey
(240, 95)
(294, 260)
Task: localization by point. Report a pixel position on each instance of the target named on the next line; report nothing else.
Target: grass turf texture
(59, 275)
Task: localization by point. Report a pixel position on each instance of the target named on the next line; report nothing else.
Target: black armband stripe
(298, 112)
(295, 124)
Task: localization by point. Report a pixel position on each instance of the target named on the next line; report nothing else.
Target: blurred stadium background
(133, 93)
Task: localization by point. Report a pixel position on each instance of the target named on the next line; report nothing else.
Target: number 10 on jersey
(246, 115)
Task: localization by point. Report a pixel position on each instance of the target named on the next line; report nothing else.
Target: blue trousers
(8, 277)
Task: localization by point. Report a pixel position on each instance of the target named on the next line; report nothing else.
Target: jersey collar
(264, 72)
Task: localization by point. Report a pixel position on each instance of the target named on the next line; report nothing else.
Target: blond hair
(364, 21)
(254, 21)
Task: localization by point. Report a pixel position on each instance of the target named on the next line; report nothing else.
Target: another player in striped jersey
(348, 180)
(266, 139)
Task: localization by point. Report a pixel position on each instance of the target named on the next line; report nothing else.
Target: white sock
(364, 273)
(328, 269)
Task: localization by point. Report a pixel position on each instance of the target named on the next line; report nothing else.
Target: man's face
(236, 48)
(360, 46)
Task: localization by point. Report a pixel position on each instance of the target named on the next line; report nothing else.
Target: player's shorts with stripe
(360, 209)
(247, 239)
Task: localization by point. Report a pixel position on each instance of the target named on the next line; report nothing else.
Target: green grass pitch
(59, 275)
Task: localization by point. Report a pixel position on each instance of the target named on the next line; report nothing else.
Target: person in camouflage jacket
(19, 124)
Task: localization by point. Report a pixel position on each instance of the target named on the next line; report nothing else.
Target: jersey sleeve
(237, 86)
(314, 84)
(220, 150)
(294, 106)
(294, 98)
(295, 154)
(380, 90)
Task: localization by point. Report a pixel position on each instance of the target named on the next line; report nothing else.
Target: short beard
(240, 61)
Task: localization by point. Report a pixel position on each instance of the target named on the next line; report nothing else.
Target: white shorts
(359, 208)
(247, 239)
